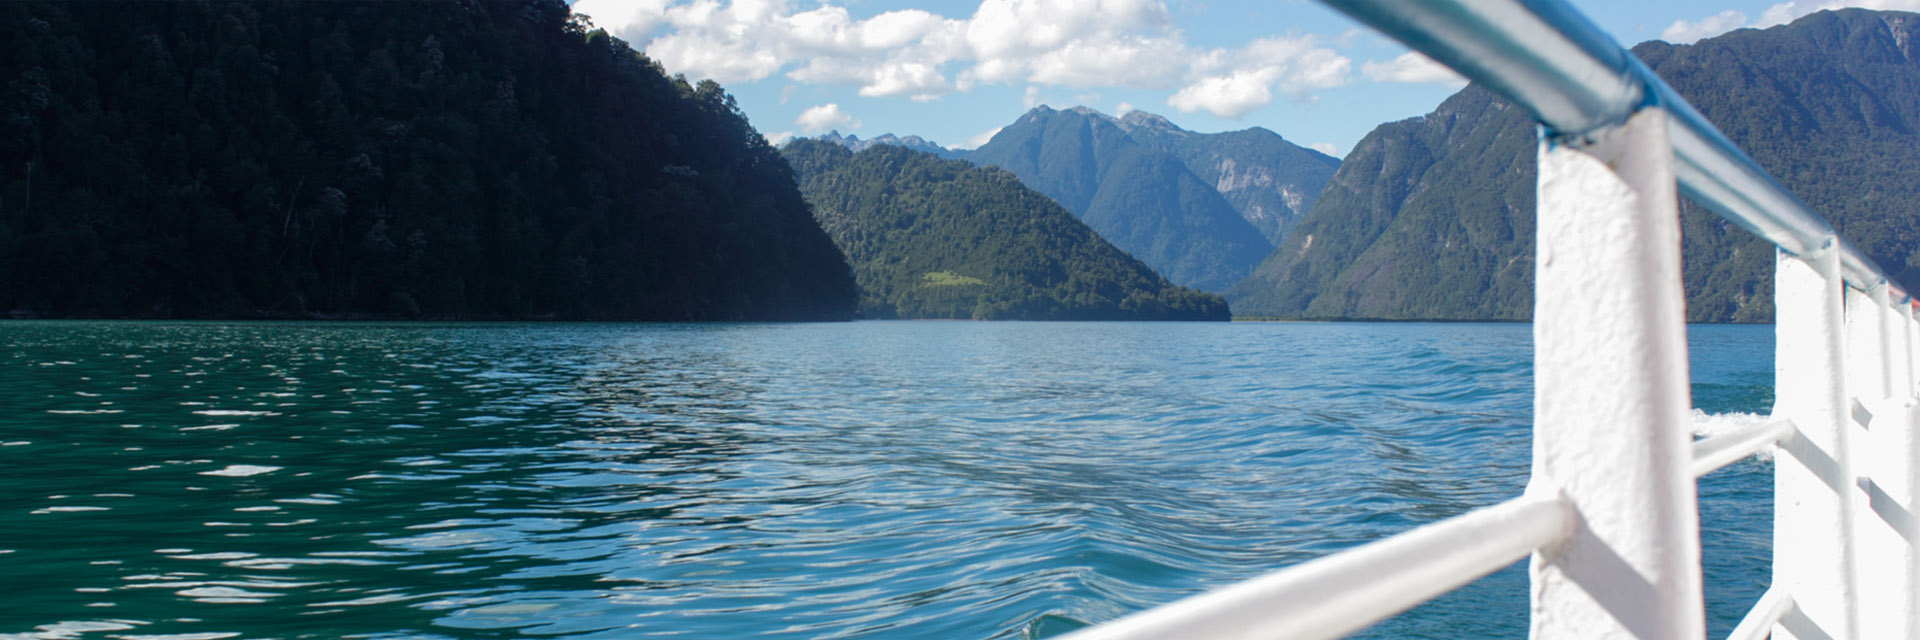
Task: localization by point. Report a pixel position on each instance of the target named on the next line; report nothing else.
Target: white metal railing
(1610, 515)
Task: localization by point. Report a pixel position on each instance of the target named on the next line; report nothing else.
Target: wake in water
(1707, 425)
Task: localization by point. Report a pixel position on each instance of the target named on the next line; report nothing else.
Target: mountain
(855, 144)
(934, 238)
(1143, 200)
(1426, 218)
(473, 159)
(1432, 217)
(1271, 182)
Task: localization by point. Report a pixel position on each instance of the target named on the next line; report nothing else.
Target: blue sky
(954, 70)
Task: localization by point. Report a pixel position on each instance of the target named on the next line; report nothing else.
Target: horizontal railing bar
(1711, 454)
(1773, 605)
(1338, 594)
(1574, 78)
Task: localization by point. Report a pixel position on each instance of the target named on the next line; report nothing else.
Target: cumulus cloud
(983, 138)
(919, 55)
(779, 138)
(1687, 32)
(1412, 68)
(1326, 148)
(1684, 32)
(630, 20)
(820, 118)
(1229, 83)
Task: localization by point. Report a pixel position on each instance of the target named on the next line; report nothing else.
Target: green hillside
(933, 238)
(1432, 218)
(1143, 200)
(441, 159)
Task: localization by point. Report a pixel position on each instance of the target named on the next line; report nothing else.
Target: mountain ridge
(936, 238)
(1268, 181)
(1432, 217)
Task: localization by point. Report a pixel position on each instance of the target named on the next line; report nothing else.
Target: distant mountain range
(1201, 209)
(1432, 217)
(855, 144)
(934, 238)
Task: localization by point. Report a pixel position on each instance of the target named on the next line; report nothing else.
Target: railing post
(1903, 372)
(1888, 578)
(1611, 390)
(1868, 374)
(1813, 507)
(1913, 349)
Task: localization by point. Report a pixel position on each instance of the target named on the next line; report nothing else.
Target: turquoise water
(873, 480)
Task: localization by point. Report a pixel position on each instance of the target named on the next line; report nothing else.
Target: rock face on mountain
(1271, 182)
(1432, 218)
(1143, 200)
(933, 238)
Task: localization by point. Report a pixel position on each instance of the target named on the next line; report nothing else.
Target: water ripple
(930, 479)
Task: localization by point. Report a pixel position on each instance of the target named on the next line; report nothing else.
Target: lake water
(874, 479)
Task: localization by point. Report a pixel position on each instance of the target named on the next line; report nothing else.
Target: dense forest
(1428, 218)
(1432, 218)
(934, 238)
(1143, 200)
(437, 159)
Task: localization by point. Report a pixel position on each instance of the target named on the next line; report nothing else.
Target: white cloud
(1032, 97)
(1228, 96)
(1326, 148)
(1683, 32)
(630, 20)
(1412, 68)
(779, 138)
(1123, 109)
(919, 55)
(976, 141)
(820, 118)
(1229, 83)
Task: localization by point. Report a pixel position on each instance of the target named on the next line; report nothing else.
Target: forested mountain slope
(1143, 200)
(1432, 218)
(934, 238)
(452, 159)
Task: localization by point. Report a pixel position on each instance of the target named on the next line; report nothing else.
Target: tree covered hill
(934, 238)
(450, 158)
(1432, 218)
(1143, 200)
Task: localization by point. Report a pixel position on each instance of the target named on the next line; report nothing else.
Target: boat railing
(1610, 516)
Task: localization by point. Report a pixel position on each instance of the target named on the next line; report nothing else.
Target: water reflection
(867, 480)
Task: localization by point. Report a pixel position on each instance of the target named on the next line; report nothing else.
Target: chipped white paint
(1611, 390)
(1813, 495)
